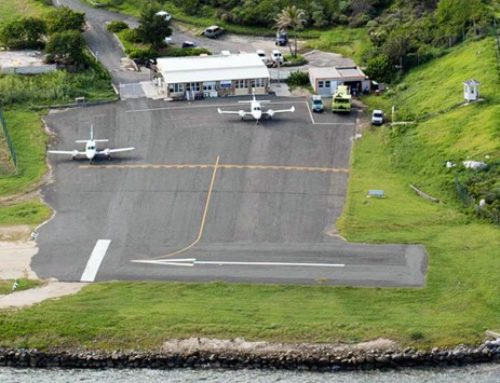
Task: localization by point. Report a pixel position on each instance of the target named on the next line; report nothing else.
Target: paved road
(110, 52)
(103, 43)
(271, 199)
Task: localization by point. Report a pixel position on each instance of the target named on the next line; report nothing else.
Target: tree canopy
(153, 28)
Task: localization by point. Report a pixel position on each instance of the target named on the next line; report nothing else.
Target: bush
(179, 52)
(298, 79)
(116, 26)
(130, 35)
(142, 53)
(24, 33)
(67, 48)
(64, 19)
(295, 60)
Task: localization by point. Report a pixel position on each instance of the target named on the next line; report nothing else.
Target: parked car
(277, 57)
(317, 104)
(167, 16)
(377, 117)
(213, 32)
(265, 59)
(281, 38)
(188, 44)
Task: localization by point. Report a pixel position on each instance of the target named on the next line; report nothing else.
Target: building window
(320, 84)
(240, 84)
(193, 86)
(208, 87)
(327, 84)
(259, 83)
(176, 88)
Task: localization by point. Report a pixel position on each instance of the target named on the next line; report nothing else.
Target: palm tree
(292, 18)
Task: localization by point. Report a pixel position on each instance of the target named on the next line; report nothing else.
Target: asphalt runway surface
(209, 197)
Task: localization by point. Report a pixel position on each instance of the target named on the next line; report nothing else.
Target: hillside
(446, 131)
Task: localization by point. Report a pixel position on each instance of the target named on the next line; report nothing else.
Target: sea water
(485, 373)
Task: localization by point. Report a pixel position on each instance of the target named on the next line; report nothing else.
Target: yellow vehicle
(341, 101)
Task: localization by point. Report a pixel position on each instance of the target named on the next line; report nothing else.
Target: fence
(469, 201)
(9, 140)
(497, 42)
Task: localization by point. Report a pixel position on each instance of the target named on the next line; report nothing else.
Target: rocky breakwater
(238, 354)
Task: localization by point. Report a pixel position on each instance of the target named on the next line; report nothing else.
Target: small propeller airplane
(91, 150)
(256, 110)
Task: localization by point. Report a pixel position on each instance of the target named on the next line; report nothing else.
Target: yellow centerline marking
(203, 218)
(222, 166)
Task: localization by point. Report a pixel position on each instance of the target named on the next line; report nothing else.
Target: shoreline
(303, 357)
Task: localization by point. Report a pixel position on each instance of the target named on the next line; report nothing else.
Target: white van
(263, 56)
(377, 117)
(277, 57)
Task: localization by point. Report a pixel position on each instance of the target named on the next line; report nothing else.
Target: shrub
(116, 26)
(295, 60)
(298, 79)
(64, 19)
(142, 53)
(67, 48)
(130, 35)
(179, 52)
(26, 32)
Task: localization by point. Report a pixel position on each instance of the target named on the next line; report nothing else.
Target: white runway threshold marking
(94, 262)
(190, 262)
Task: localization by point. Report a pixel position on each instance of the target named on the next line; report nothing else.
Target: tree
(292, 18)
(26, 32)
(66, 48)
(153, 28)
(380, 68)
(64, 19)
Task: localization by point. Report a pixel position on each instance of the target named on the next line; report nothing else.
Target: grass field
(10, 9)
(29, 141)
(30, 212)
(23, 284)
(350, 42)
(462, 295)
(460, 301)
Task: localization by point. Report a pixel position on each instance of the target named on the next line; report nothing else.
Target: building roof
(212, 68)
(472, 82)
(342, 74)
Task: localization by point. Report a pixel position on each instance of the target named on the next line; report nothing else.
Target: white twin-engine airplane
(256, 110)
(91, 150)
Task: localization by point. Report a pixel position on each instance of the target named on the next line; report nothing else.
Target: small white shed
(471, 90)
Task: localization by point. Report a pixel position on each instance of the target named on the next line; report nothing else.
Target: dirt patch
(16, 251)
(29, 297)
(241, 345)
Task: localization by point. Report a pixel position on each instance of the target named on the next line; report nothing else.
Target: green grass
(23, 284)
(10, 9)
(437, 85)
(57, 87)
(460, 301)
(349, 42)
(29, 139)
(31, 212)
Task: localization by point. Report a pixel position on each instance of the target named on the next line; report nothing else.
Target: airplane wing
(67, 152)
(241, 113)
(272, 112)
(118, 150)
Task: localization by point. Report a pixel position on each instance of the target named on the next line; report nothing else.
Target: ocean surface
(486, 373)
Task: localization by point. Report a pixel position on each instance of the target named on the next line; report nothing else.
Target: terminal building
(325, 80)
(221, 75)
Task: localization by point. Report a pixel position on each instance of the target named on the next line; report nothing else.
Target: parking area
(210, 197)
